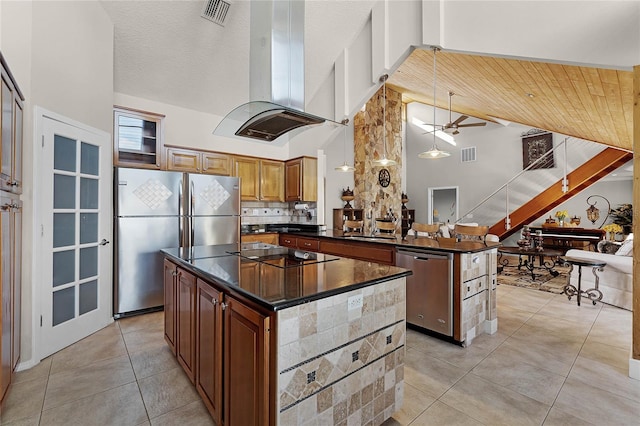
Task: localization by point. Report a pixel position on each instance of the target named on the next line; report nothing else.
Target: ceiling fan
(452, 126)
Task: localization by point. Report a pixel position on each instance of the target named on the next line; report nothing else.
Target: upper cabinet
(260, 179)
(197, 161)
(301, 179)
(137, 138)
(11, 134)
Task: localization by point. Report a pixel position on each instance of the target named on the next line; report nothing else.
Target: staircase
(585, 175)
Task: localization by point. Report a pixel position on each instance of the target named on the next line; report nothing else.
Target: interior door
(74, 194)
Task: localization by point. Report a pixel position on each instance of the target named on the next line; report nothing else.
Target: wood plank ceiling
(594, 104)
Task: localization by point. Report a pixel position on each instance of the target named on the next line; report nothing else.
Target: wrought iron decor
(534, 148)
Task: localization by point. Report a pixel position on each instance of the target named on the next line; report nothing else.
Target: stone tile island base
(341, 361)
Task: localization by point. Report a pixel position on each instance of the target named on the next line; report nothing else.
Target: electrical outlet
(245, 212)
(354, 302)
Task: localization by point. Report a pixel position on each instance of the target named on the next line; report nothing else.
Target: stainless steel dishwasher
(429, 289)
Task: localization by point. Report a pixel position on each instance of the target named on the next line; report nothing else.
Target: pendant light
(345, 166)
(434, 152)
(384, 161)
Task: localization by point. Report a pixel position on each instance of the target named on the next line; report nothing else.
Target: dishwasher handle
(422, 255)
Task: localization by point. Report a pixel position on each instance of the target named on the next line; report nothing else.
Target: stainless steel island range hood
(276, 75)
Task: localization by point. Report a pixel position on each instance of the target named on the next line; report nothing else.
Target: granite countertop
(273, 284)
(449, 245)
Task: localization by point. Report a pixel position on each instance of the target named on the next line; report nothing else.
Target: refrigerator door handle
(181, 215)
(192, 208)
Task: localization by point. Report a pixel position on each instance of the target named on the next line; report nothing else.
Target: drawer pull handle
(421, 316)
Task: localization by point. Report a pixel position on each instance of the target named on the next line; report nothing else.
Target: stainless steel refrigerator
(156, 210)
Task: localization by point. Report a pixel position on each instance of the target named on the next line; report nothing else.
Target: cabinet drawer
(308, 244)
(288, 241)
(474, 286)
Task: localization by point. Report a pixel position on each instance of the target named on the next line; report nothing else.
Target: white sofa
(616, 280)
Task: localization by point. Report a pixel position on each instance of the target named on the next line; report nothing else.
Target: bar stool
(469, 232)
(353, 226)
(385, 228)
(431, 230)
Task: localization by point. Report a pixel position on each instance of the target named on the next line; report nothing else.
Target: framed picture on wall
(535, 147)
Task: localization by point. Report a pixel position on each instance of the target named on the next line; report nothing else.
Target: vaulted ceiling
(594, 104)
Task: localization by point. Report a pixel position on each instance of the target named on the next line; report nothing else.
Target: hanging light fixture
(345, 166)
(384, 161)
(434, 152)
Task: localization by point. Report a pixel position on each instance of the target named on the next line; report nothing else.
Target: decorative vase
(560, 222)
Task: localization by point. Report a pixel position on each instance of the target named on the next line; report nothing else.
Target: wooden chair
(431, 230)
(354, 226)
(467, 232)
(385, 228)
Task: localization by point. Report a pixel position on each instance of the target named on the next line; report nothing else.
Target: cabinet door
(209, 348)
(6, 121)
(271, 180)
(137, 138)
(16, 281)
(250, 276)
(183, 160)
(16, 180)
(214, 163)
(248, 170)
(170, 274)
(186, 321)
(267, 238)
(293, 181)
(246, 365)
(5, 295)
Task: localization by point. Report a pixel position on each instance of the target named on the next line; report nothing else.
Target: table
(594, 294)
(529, 261)
(567, 237)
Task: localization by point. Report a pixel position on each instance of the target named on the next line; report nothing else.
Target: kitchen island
(270, 335)
(469, 306)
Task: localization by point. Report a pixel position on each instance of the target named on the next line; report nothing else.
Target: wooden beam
(590, 172)
(635, 345)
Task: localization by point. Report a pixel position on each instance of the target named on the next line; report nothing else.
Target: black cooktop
(281, 257)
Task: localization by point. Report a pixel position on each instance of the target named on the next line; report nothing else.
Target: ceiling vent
(216, 11)
(468, 154)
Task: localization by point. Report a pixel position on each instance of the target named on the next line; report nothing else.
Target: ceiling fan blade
(459, 120)
(456, 132)
(473, 125)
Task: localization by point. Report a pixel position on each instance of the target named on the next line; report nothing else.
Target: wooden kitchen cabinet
(301, 179)
(170, 279)
(137, 138)
(209, 348)
(247, 356)
(271, 180)
(260, 179)
(197, 161)
(10, 288)
(186, 322)
(11, 132)
(262, 237)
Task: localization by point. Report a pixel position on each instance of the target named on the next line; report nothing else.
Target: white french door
(74, 199)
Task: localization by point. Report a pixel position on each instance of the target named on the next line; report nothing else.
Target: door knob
(104, 242)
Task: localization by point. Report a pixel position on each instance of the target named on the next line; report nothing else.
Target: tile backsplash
(261, 212)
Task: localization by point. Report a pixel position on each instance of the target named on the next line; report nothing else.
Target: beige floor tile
(526, 299)
(141, 322)
(39, 371)
(153, 361)
(414, 403)
(511, 319)
(465, 358)
(505, 369)
(102, 345)
(24, 400)
(429, 375)
(72, 385)
(165, 392)
(193, 414)
(606, 367)
(146, 339)
(561, 307)
(493, 404)
(612, 327)
(558, 417)
(119, 406)
(595, 405)
(32, 421)
(440, 414)
(554, 357)
(564, 326)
